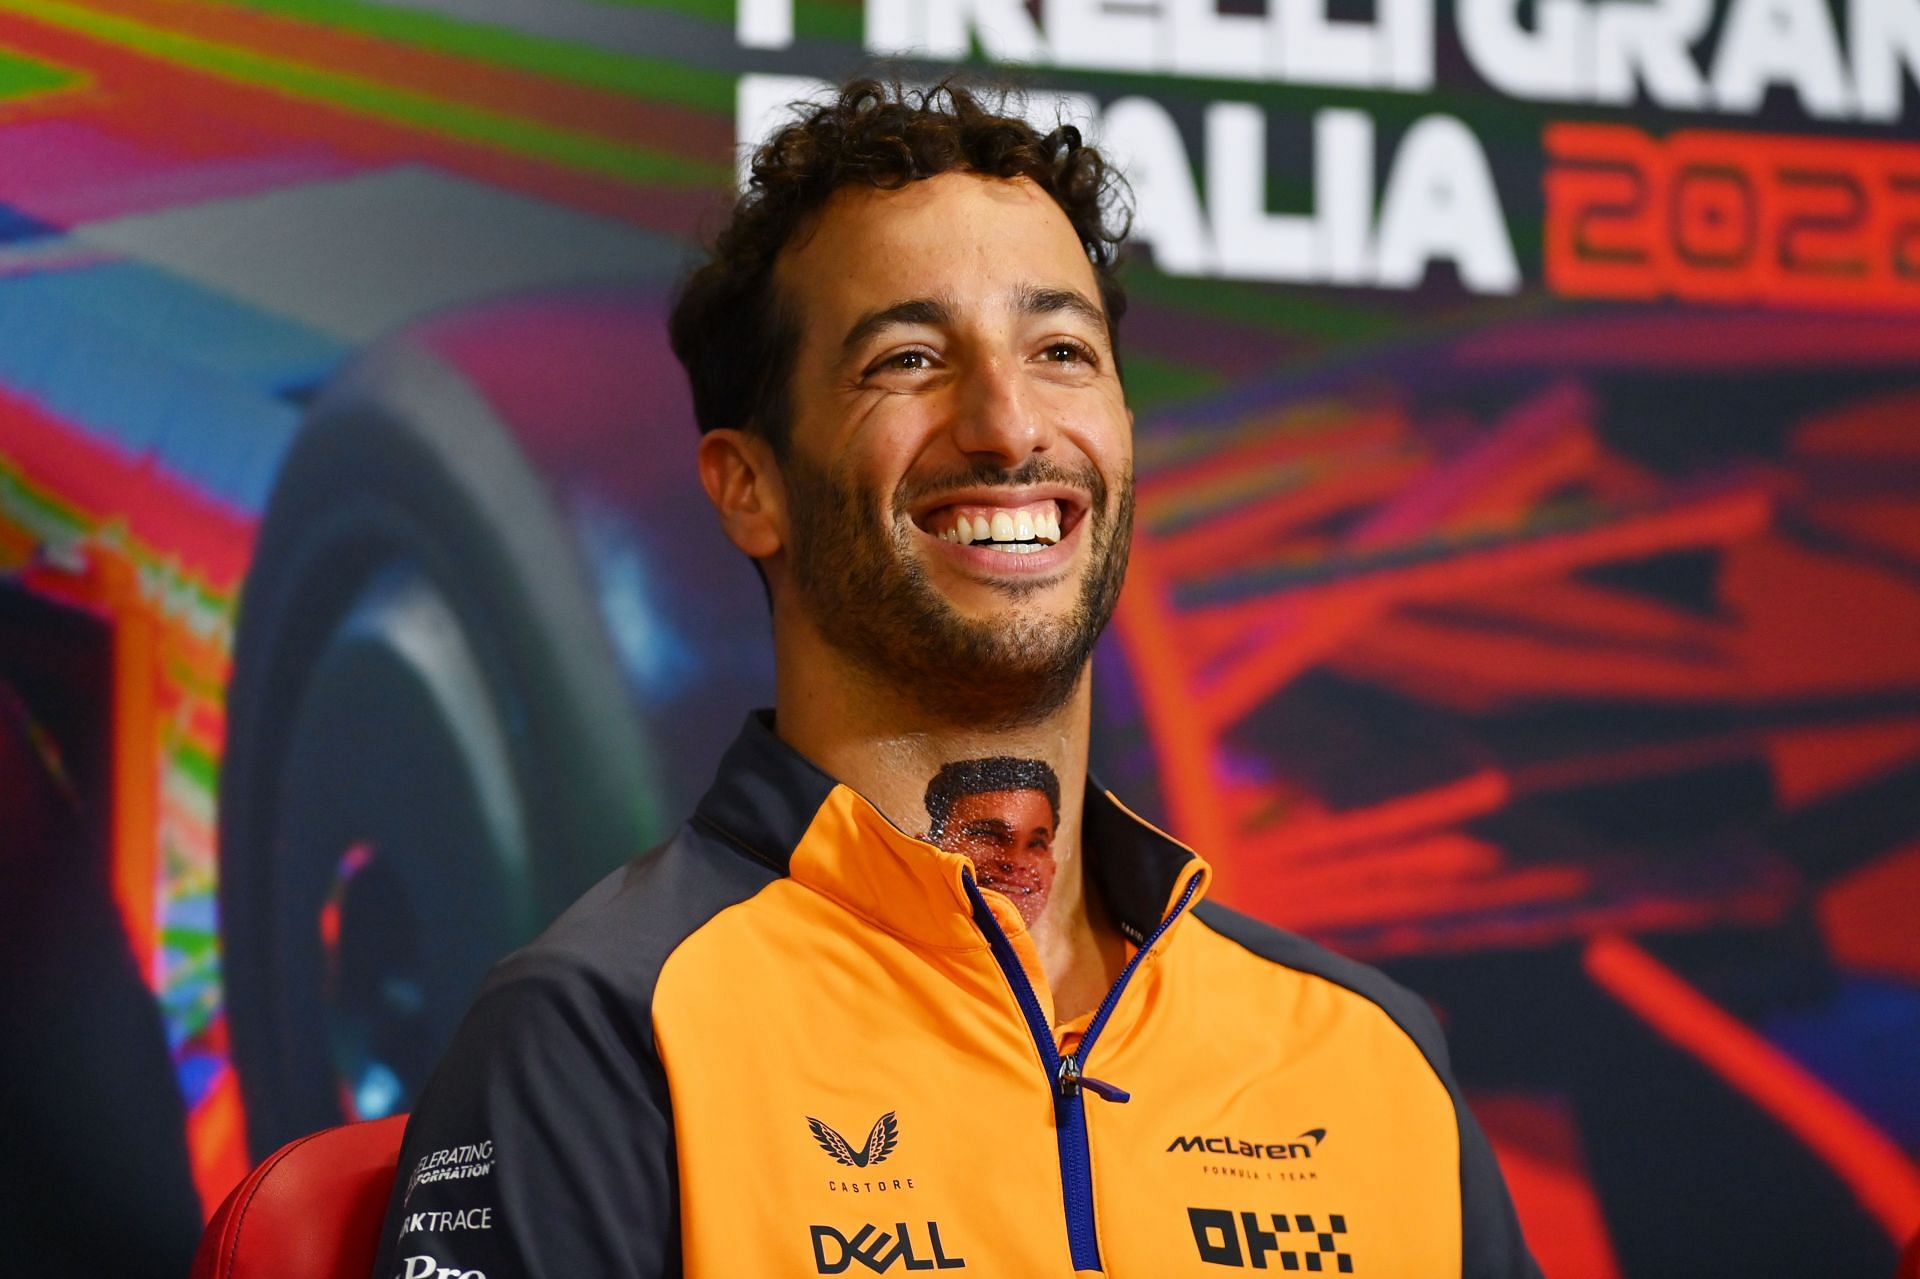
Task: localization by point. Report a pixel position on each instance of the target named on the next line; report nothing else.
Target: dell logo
(878, 1250)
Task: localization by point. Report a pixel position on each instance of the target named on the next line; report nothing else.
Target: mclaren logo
(881, 1140)
(1295, 1149)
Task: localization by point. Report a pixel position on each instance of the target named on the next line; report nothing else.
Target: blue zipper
(1064, 1074)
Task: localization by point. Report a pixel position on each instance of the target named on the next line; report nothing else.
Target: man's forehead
(971, 239)
(999, 800)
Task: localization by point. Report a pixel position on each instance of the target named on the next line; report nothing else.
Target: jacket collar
(774, 805)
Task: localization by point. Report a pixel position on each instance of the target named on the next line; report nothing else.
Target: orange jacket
(795, 1041)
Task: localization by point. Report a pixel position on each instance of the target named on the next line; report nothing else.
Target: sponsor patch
(880, 1250)
(425, 1267)
(448, 1221)
(881, 1139)
(454, 1163)
(1248, 1239)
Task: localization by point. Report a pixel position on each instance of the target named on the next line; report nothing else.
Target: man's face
(959, 474)
(1008, 835)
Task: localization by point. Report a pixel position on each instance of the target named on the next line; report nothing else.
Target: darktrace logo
(880, 1250)
(881, 1139)
(447, 1221)
(1228, 1238)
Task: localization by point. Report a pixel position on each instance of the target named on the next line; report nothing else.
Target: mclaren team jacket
(795, 1041)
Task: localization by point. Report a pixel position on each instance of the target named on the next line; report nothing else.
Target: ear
(742, 480)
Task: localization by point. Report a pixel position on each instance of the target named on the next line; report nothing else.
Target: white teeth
(1007, 531)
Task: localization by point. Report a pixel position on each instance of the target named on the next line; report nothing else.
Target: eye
(1066, 351)
(910, 361)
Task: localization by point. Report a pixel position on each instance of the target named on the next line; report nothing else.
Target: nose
(998, 420)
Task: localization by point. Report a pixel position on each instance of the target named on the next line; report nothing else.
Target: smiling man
(903, 363)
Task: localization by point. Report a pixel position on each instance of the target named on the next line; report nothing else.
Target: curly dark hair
(729, 327)
(964, 777)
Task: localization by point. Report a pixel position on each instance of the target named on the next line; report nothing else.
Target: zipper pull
(1071, 1081)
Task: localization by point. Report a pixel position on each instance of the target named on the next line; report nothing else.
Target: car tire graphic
(429, 751)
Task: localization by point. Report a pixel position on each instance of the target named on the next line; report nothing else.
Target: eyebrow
(933, 312)
(937, 312)
(1034, 299)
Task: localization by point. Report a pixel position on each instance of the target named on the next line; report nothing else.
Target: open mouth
(1022, 529)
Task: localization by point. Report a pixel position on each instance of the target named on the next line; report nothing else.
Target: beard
(868, 593)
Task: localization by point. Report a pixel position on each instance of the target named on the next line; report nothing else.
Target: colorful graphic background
(1562, 657)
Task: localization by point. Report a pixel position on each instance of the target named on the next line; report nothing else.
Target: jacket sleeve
(542, 1146)
(1491, 1243)
(1492, 1246)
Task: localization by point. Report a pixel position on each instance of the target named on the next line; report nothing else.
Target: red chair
(313, 1210)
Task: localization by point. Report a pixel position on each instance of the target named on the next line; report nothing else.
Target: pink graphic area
(69, 172)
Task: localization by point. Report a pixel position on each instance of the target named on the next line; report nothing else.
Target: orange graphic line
(217, 1142)
(553, 102)
(1339, 609)
(1460, 800)
(153, 100)
(1181, 743)
(1249, 527)
(1880, 1175)
(1169, 481)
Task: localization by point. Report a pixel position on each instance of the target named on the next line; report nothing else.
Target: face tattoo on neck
(1000, 813)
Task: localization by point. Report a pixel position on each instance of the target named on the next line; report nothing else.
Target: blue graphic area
(1865, 1042)
(189, 963)
(164, 369)
(197, 1073)
(17, 227)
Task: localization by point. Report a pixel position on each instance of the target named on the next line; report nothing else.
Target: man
(1000, 814)
(903, 363)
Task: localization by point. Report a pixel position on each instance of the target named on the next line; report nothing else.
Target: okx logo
(881, 1139)
(879, 1251)
(1244, 1239)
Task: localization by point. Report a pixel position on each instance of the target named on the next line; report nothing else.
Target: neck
(873, 737)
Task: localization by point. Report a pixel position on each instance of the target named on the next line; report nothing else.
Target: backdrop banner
(1525, 599)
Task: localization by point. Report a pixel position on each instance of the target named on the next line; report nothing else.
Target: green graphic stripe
(23, 77)
(192, 943)
(196, 764)
(36, 511)
(1153, 382)
(1263, 307)
(655, 80)
(470, 124)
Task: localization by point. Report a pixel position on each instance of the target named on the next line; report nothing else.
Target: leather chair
(313, 1210)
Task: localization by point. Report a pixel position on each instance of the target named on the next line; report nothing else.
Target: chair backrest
(313, 1210)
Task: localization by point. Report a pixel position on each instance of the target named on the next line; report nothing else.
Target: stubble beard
(868, 594)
